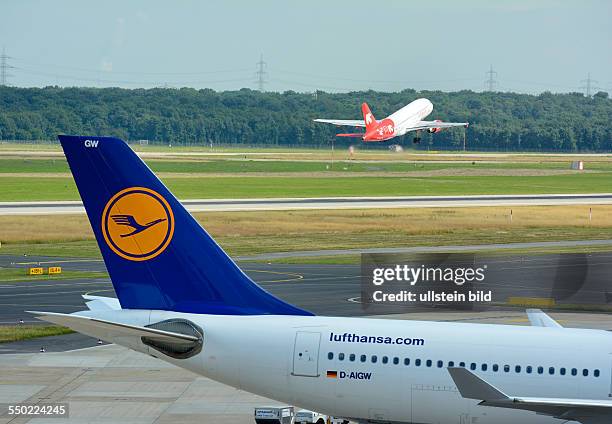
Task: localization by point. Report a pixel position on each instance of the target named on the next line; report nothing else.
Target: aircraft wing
(586, 411)
(425, 125)
(345, 122)
(108, 330)
(537, 318)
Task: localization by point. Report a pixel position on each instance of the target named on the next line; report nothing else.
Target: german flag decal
(332, 374)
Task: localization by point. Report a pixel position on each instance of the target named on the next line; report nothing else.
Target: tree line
(498, 121)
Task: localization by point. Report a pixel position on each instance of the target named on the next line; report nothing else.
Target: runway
(220, 205)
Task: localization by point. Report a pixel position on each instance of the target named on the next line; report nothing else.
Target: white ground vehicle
(304, 416)
(274, 415)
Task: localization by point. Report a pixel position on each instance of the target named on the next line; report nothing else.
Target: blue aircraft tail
(157, 255)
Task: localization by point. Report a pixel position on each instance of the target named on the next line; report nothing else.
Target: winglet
(473, 387)
(537, 318)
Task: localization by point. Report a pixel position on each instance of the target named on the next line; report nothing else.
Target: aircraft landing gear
(416, 140)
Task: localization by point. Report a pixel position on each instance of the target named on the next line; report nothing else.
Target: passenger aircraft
(409, 118)
(182, 299)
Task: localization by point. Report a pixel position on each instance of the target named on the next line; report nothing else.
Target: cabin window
(585, 372)
(374, 359)
(506, 368)
(462, 364)
(529, 369)
(406, 361)
(428, 363)
(540, 370)
(472, 366)
(574, 372)
(495, 367)
(551, 370)
(341, 356)
(417, 362)
(440, 364)
(395, 360)
(483, 367)
(451, 363)
(352, 357)
(330, 355)
(596, 373)
(363, 358)
(517, 369)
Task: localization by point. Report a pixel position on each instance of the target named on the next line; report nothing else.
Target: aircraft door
(306, 354)
(610, 391)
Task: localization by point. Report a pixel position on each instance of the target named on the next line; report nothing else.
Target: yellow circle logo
(137, 223)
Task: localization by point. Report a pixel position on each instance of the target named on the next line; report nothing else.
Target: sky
(332, 45)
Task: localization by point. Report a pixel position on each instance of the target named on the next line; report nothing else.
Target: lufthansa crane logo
(137, 223)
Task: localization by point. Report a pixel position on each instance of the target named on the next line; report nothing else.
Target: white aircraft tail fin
(99, 303)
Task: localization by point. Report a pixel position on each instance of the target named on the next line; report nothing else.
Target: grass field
(309, 173)
(44, 188)
(59, 165)
(12, 275)
(247, 233)
(207, 165)
(14, 333)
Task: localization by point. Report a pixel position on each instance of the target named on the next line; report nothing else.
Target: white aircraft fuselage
(410, 115)
(288, 359)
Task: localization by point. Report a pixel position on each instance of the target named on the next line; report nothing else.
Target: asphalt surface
(427, 249)
(205, 205)
(572, 279)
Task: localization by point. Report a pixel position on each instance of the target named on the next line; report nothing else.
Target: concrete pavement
(227, 205)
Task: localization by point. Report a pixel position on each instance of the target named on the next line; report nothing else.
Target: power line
(371, 81)
(261, 73)
(97, 70)
(491, 81)
(74, 78)
(588, 85)
(4, 66)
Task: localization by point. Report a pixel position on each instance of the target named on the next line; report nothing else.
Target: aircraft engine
(435, 130)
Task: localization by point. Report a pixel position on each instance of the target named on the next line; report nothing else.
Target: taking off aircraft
(409, 118)
(182, 299)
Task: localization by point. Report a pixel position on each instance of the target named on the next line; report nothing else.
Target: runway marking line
(97, 291)
(59, 262)
(287, 280)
